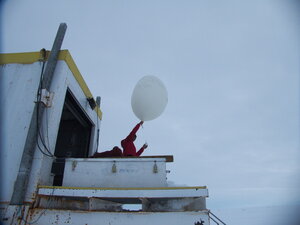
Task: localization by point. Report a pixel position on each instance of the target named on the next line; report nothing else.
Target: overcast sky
(231, 69)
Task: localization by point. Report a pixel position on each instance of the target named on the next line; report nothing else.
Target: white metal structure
(65, 185)
(126, 172)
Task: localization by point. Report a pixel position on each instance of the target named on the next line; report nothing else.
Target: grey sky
(232, 73)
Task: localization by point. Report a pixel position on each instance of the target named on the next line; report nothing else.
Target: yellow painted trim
(123, 189)
(66, 56)
(22, 58)
(32, 57)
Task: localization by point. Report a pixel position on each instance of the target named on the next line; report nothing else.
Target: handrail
(214, 218)
(169, 158)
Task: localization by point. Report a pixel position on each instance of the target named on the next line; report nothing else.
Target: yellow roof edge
(66, 56)
(22, 58)
(32, 57)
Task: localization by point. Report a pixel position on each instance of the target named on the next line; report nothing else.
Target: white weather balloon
(149, 98)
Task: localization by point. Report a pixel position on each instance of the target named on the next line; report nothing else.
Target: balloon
(149, 98)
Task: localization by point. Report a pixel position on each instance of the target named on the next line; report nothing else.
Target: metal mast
(20, 186)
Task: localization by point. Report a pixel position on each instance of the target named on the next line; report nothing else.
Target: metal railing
(215, 219)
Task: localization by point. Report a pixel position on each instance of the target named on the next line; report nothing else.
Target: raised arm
(133, 132)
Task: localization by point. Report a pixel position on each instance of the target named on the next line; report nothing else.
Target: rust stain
(20, 218)
(30, 214)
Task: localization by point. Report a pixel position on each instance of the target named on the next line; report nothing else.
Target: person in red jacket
(128, 145)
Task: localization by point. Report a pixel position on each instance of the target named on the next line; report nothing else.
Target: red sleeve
(140, 151)
(133, 132)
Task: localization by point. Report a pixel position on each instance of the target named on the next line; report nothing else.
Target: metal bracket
(155, 169)
(46, 98)
(74, 164)
(114, 168)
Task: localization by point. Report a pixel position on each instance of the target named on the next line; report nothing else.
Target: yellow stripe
(125, 189)
(66, 56)
(32, 57)
(23, 58)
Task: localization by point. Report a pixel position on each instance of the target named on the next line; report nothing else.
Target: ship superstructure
(56, 181)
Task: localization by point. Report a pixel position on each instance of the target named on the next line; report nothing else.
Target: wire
(39, 147)
(47, 135)
(47, 129)
(39, 135)
(143, 134)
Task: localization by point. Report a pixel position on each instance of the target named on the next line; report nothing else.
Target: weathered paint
(125, 218)
(167, 192)
(21, 74)
(20, 82)
(33, 57)
(174, 204)
(124, 188)
(115, 172)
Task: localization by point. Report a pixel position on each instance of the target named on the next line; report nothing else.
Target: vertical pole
(21, 182)
(98, 101)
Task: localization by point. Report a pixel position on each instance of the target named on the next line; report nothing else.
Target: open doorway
(73, 137)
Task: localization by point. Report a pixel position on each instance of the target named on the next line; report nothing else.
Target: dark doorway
(73, 136)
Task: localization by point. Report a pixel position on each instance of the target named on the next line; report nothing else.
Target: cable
(39, 135)
(39, 147)
(39, 131)
(47, 129)
(38, 100)
(143, 135)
